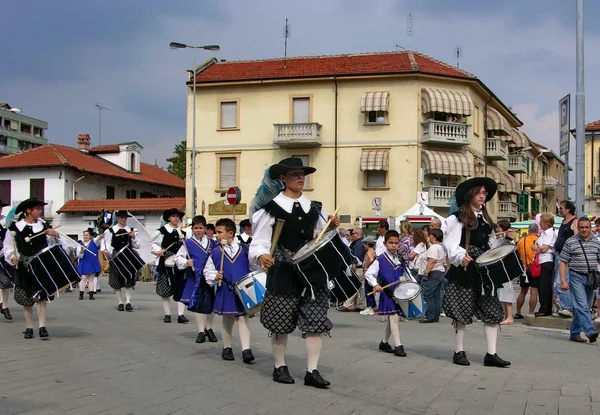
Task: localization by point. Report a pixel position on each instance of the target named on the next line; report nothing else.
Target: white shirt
(95, 240)
(417, 263)
(548, 237)
(263, 225)
(181, 257)
(107, 242)
(373, 271)
(210, 271)
(158, 237)
(380, 245)
(9, 240)
(451, 242)
(436, 251)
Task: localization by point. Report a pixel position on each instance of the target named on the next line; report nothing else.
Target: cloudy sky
(61, 57)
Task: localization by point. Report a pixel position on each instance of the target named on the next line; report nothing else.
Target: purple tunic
(388, 273)
(203, 296)
(227, 302)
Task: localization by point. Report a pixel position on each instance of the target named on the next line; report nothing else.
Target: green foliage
(177, 162)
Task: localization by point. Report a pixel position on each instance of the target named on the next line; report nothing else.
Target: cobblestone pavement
(101, 361)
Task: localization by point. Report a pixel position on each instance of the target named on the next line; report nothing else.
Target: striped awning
(507, 183)
(497, 123)
(516, 138)
(374, 159)
(496, 174)
(510, 184)
(446, 162)
(374, 101)
(445, 100)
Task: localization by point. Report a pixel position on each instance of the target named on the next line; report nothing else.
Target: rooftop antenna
(398, 47)
(100, 109)
(458, 53)
(409, 29)
(286, 35)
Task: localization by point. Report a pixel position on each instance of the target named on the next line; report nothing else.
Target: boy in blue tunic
(386, 269)
(232, 262)
(89, 264)
(203, 298)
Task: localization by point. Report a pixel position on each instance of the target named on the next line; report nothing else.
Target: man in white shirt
(382, 228)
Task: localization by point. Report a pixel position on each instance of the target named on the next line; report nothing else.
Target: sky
(62, 57)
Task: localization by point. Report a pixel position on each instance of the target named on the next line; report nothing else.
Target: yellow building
(592, 168)
(384, 125)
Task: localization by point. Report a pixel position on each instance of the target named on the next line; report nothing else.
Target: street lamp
(213, 48)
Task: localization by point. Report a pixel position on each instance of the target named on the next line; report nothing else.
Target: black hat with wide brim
(290, 163)
(29, 204)
(462, 190)
(121, 213)
(170, 212)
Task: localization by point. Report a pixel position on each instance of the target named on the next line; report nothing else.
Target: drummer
(467, 296)
(112, 245)
(288, 303)
(88, 264)
(27, 290)
(165, 243)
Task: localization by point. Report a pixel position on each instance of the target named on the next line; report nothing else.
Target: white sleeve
(79, 251)
(106, 242)
(210, 272)
(98, 240)
(262, 227)
(9, 247)
(372, 273)
(321, 222)
(135, 242)
(156, 242)
(181, 258)
(451, 242)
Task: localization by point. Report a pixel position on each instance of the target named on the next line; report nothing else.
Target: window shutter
(228, 114)
(301, 110)
(5, 191)
(228, 172)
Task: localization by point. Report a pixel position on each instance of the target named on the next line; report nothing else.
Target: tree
(177, 162)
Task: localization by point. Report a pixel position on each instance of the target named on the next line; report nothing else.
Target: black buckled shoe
(6, 313)
(227, 354)
(211, 335)
(1, 309)
(91, 295)
(247, 356)
(399, 351)
(28, 334)
(385, 347)
(201, 337)
(315, 379)
(121, 307)
(167, 319)
(182, 319)
(282, 375)
(128, 307)
(494, 360)
(81, 295)
(43, 332)
(460, 358)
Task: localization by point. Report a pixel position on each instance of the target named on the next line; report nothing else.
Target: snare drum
(500, 265)
(344, 286)
(251, 291)
(127, 262)
(408, 296)
(53, 270)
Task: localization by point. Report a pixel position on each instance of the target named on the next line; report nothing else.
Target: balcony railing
(550, 182)
(440, 132)
(529, 180)
(517, 164)
(48, 212)
(497, 149)
(298, 135)
(439, 195)
(508, 210)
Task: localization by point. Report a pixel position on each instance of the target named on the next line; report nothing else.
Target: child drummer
(88, 265)
(387, 269)
(203, 297)
(227, 264)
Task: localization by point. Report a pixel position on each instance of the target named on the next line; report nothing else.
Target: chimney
(83, 142)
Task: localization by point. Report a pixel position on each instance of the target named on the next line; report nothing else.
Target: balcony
(298, 135)
(509, 210)
(517, 164)
(550, 183)
(48, 211)
(497, 149)
(439, 195)
(529, 180)
(28, 137)
(440, 132)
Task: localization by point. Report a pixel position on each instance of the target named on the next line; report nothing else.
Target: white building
(77, 183)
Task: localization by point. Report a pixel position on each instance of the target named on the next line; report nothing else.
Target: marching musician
(387, 269)
(203, 298)
(6, 274)
(245, 237)
(232, 262)
(88, 265)
(166, 241)
(468, 296)
(288, 303)
(112, 244)
(19, 244)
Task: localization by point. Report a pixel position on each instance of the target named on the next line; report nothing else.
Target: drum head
(494, 255)
(407, 291)
(312, 247)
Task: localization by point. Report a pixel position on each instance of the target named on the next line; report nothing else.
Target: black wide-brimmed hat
(462, 190)
(170, 212)
(290, 163)
(28, 204)
(121, 213)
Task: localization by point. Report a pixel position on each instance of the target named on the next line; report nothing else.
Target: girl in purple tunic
(88, 264)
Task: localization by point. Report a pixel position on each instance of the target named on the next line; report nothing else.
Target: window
(110, 192)
(130, 194)
(306, 162)
(36, 189)
(301, 110)
(376, 178)
(5, 191)
(376, 117)
(3, 140)
(476, 120)
(227, 168)
(440, 181)
(228, 115)
(133, 162)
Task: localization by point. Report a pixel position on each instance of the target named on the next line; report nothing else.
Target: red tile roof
(132, 205)
(109, 148)
(53, 155)
(593, 126)
(318, 66)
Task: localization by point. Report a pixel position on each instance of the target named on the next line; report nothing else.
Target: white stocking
(29, 317)
(227, 330)
(119, 293)
(128, 295)
(41, 308)
(459, 338)
(394, 329)
(244, 331)
(200, 322)
(279, 343)
(166, 306)
(209, 321)
(96, 284)
(180, 309)
(5, 293)
(491, 337)
(313, 351)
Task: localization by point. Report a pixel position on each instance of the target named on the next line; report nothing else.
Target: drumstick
(325, 228)
(389, 285)
(28, 238)
(14, 235)
(500, 233)
(167, 248)
(467, 243)
(186, 249)
(276, 234)
(127, 233)
(223, 244)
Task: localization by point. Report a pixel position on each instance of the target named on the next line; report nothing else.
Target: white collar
(393, 258)
(245, 237)
(117, 227)
(170, 228)
(203, 241)
(35, 226)
(287, 203)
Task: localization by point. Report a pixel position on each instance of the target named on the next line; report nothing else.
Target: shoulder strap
(525, 251)
(585, 255)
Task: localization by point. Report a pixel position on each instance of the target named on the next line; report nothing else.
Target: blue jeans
(582, 301)
(564, 297)
(432, 290)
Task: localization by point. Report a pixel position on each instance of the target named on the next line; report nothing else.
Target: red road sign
(234, 195)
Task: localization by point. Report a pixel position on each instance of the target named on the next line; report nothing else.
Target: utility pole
(580, 117)
(100, 109)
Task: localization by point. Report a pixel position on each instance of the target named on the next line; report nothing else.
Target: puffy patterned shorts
(463, 303)
(282, 313)
(164, 287)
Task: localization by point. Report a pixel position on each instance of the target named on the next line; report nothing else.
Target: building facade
(19, 132)
(592, 168)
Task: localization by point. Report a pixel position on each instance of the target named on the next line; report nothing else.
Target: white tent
(419, 210)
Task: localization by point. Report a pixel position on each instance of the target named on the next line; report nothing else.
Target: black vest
(299, 227)
(564, 233)
(34, 245)
(168, 239)
(120, 242)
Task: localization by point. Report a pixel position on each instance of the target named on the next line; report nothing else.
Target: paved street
(100, 361)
